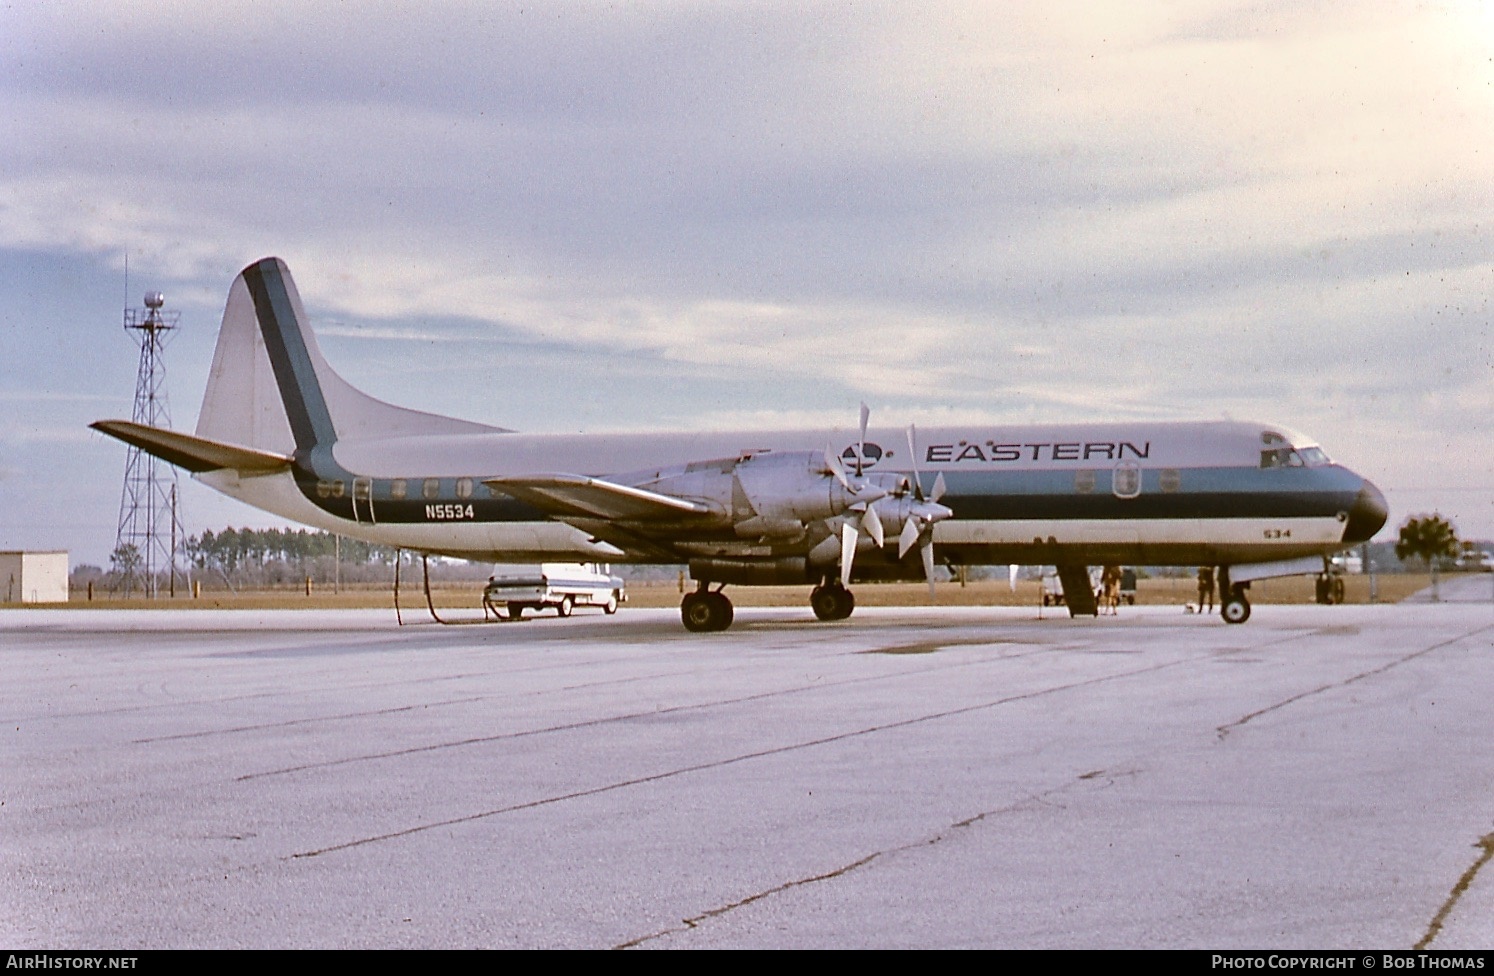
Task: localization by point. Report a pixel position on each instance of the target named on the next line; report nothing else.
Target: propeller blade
(861, 444)
(847, 551)
(872, 523)
(927, 551)
(939, 488)
(909, 536)
(832, 462)
(913, 459)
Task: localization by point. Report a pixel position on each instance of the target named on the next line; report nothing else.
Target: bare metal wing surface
(196, 454)
(567, 496)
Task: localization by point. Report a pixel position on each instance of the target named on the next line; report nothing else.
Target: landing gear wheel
(706, 611)
(610, 607)
(1235, 609)
(725, 612)
(563, 608)
(1336, 594)
(833, 602)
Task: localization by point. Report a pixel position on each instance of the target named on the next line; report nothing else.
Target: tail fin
(270, 388)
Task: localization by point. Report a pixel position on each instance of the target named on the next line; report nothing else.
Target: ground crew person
(1205, 588)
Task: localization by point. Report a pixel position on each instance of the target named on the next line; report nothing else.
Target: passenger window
(398, 489)
(1125, 480)
(464, 487)
(1084, 482)
(1170, 480)
(432, 488)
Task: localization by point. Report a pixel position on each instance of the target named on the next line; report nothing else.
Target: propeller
(917, 514)
(923, 512)
(869, 522)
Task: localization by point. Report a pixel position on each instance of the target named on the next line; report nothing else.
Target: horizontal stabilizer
(196, 454)
(573, 495)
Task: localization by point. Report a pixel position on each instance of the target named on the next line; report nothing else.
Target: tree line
(257, 557)
(233, 549)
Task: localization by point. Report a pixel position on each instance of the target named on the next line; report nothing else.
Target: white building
(33, 577)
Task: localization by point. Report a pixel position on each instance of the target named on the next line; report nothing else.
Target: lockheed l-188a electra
(280, 430)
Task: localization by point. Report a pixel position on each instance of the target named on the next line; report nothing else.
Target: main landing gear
(831, 601)
(706, 610)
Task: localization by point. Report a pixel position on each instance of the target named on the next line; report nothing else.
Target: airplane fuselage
(1149, 493)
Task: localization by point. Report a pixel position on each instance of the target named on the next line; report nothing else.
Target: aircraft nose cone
(1367, 515)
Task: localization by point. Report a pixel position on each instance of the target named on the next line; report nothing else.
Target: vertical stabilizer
(270, 388)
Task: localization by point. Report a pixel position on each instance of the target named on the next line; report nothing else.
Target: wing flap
(575, 496)
(196, 454)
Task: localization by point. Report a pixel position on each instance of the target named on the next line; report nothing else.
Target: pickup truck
(563, 586)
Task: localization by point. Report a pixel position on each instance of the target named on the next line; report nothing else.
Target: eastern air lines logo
(871, 454)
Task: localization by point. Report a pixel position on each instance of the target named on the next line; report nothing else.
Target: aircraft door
(363, 492)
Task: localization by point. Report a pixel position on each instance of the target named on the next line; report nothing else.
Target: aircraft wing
(571, 497)
(196, 454)
(631, 541)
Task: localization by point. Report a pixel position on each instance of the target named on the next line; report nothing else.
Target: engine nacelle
(785, 571)
(798, 485)
(770, 494)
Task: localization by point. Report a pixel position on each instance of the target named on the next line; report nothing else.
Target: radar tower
(150, 524)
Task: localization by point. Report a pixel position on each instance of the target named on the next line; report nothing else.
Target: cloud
(1010, 212)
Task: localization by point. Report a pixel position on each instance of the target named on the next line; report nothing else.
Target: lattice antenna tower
(150, 524)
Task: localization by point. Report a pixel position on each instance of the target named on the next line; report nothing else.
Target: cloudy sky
(587, 216)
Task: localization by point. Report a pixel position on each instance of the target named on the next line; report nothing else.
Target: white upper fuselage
(948, 448)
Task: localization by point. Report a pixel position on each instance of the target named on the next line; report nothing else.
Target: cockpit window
(1287, 457)
(1280, 457)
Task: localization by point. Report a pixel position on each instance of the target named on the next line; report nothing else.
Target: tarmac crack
(309, 720)
(695, 921)
(1486, 844)
(588, 723)
(1229, 727)
(731, 760)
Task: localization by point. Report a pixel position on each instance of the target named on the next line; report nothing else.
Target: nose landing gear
(1236, 608)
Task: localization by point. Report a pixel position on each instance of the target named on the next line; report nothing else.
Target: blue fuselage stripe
(1205, 493)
